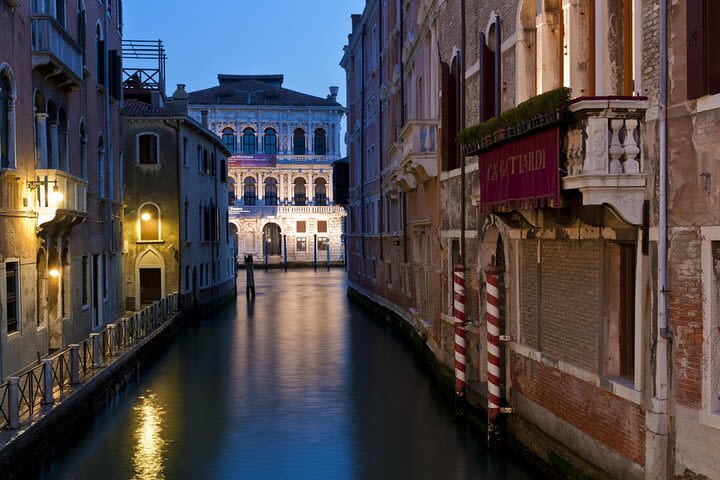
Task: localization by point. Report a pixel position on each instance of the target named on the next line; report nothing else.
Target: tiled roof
(136, 108)
(254, 92)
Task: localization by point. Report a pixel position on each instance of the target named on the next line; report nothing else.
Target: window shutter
(487, 80)
(447, 116)
(712, 53)
(696, 45)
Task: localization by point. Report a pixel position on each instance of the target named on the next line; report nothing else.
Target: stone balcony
(55, 52)
(420, 149)
(603, 154)
(61, 199)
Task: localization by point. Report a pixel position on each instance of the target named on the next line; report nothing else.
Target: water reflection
(297, 383)
(148, 455)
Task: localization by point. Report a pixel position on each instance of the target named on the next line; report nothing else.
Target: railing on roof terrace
(144, 64)
(26, 393)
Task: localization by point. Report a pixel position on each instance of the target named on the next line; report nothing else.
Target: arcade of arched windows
(273, 139)
(252, 188)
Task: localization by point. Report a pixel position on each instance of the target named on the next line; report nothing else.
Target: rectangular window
(301, 244)
(12, 290)
(185, 151)
(322, 226)
(301, 227)
(147, 149)
(85, 282)
(703, 48)
(187, 279)
(323, 243)
(620, 307)
(105, 276)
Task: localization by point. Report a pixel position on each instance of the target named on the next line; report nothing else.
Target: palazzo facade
(280, 176)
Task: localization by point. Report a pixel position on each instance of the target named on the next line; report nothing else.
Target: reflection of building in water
(281, 176)
(148, 456)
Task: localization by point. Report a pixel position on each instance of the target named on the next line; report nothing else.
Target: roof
(136, 108)
(250, 91)
(274, 80)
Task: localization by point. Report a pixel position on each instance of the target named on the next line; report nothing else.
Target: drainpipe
(461, 126)
(362, 142)
(380, 130)
(181, 206)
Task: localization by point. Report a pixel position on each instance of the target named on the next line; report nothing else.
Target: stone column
(608, 50)
(311, 183)
(41, 140)
(577, 60)
(54, 160)
(261, 186)
(549, 49)
(330, 196)
(281, 193)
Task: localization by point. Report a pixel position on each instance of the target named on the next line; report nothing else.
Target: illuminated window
(320, 142)
(228, 137)
(149, 223)
(148, 148)
(299, 141)
(249, 143)
(270, 141)
(301, 244)
(323, 243)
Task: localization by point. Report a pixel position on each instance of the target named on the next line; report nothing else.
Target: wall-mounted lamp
(145, 216)
(54, 272)
(54, 197)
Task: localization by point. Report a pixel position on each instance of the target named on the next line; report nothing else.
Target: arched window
(320, 191)
(249, 143)
(228, 137)
(299, 195)
(299, 141)
(99, 56)
(271, 191)
(149, 215)
(81, 28)
(83, 150)
(101, 165)
(270, 141)
(249, 191)
(320, 142)
(63, 140)
(7, 121)
(148, 149)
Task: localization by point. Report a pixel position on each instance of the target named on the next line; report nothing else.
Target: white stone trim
(709, 414)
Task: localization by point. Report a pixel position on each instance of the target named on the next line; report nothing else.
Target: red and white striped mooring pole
(493, 345)
(459, 314)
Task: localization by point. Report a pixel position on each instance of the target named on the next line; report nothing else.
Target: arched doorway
(150, 270)
(272, 239)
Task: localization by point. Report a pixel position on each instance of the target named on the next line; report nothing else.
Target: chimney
(180, 100)
(204, 118)
(333, 93)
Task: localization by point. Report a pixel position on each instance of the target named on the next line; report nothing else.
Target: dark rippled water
(299, 384)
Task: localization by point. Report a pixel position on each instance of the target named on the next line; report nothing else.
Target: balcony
(419, 149)
(61, 199)
(603, 156)
(55, 52)
(401, 177)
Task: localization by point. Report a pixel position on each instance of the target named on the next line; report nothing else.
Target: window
(322, 244)
(703, 48)
(81, 28)
(249, 143)
(320, 142)
(12, 290)
(322, 226)
(621, 311)
(223, 171)
(99, 56)
(199, 158)
(148, 149)
(301, 244)
(105, 276)
(149, 223)
(299, 197)
(186, 223)
(205, 162)
(299, 141)
(228, 138)
(186, 154)
(271, 191)
(320, 191)
(301, 226)
(85, 280)
(249, 192)
(7, 115)
(270, 141)
(60, 12)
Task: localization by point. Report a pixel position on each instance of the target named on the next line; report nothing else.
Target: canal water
(298, 384)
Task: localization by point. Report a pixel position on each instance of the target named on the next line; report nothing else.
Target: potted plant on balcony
(537, 112)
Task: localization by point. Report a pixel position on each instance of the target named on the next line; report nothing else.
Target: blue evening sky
(301, 39)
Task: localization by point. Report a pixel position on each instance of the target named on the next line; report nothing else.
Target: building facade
(284, 144)
(60, 175)
(177, 235)
(610, 347)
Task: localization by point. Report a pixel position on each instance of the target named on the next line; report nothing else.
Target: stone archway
(272, 239)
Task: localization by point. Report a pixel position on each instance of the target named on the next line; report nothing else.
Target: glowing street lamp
(145, 216)
(54, 272)
(56, 196)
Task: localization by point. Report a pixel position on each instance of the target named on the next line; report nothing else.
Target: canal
(301, 383)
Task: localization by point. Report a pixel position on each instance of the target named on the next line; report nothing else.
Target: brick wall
(685, 313)
(529, 330)
(611, 420)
